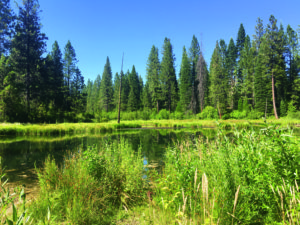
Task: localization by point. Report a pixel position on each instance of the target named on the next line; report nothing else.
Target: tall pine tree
(153, 78)
(168, 76)
(106, 89)
(185, 81)
(28, 46)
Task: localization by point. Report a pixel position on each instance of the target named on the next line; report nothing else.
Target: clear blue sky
(98, 28)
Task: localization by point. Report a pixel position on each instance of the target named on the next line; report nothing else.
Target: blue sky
(98, 29)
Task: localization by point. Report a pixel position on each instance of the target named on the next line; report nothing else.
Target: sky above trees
(98, 29)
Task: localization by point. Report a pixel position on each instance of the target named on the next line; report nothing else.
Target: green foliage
(90, 186)
(168, 77)
(236, 114)
(163, 115)
(283, 108)
(185, 81)
(208, 182)
(153, 78)
(106, 89)
(209, 113)
(240, 105)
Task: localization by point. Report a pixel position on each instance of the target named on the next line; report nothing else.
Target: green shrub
(208, 113)
(254, 115)
(236, 114)
(163, 115)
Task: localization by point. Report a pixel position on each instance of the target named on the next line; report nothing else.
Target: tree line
(36, 86)
(246, 77)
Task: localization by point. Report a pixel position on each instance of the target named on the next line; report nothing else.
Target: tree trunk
(157, 106)
(273, 96)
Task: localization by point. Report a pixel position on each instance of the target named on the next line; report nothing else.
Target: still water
(21, 155)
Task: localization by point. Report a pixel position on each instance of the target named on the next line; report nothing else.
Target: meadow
(246, 176)
(18, 129)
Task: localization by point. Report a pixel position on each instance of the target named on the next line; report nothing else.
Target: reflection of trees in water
(25, 154)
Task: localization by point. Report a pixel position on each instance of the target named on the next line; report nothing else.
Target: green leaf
(19, 222)
(15, 214)
(9, 222)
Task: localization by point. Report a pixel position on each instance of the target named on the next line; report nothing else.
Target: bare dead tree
(202, 80)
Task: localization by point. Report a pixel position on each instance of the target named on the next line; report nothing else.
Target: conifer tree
(275, 61)
(262, 84)
(168, 76)
(231, 67)
(146, 97)
(28, 46)
(240, 39)
(116, 88)
(134, 93)
(106, 89)
(185, 81)
(292, 59)
(58, 76)
(6, 26)
(240, 43)
(194, 53)
(247, 67)
(219, 84)
(153, 78)
(89, 103)
(95, 98)
(259, 33)
(125, 91)
(203, 82)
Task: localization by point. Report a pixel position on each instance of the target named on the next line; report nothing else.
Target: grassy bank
(247, 177)
(97, 128)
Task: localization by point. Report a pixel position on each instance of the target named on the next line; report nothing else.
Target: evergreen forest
(252, 76)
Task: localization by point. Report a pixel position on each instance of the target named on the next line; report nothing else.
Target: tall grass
(90, 186)
(243, 177)
(232, 180)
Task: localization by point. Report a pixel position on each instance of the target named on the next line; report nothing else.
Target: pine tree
(262, 83)
(89, 102)
(219, 82)
(240, 39)
(146, 97)
(106, 89)
(194, 53)
(77, 94)
(247, 67)
(168, 76)
(58, 76)
(116, 87)
(259, 33)
(240, 43)
(134, 93)
(291, 59)
(202, 81)
(70, 62)
(125, 91)
(95, 98)
(231, 67)
(28, 46)
(185, 81)
(6, 26)
(274, 55)
(153, 78)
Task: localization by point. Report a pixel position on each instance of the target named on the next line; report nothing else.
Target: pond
(21, 155)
